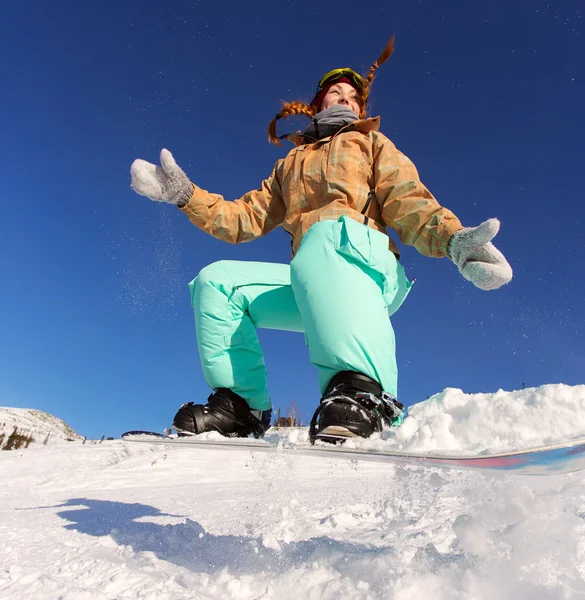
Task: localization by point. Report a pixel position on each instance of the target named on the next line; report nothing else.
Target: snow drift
(119, 520)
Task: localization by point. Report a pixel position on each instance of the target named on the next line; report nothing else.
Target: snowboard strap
(359, 390)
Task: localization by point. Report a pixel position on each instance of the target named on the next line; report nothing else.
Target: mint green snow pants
(340, 289)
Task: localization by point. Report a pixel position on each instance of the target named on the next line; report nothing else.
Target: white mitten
(167, 183)
(477, 259)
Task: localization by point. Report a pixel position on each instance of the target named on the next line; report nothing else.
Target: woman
(336, 193)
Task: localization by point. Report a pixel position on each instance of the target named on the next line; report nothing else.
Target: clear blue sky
(96, 327)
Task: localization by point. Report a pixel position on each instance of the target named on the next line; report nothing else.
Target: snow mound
(496, 422)
(37, 423)
(455, 423)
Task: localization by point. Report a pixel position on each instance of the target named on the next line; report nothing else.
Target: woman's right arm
(253, 215)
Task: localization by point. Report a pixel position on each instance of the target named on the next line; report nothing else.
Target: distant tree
(18, 441)
(46, 440)
(9, 445)
(24, 441)
(292, 418)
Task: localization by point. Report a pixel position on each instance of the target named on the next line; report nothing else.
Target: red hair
(290, 109)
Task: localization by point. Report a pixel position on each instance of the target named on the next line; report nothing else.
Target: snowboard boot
(226, 413)
(353, 405)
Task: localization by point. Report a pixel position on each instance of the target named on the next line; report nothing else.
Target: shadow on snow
(189, 545)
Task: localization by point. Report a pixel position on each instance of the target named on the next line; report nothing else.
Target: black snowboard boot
(225, 412)
(353, 405)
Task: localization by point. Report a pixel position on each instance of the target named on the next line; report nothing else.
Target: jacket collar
(362, 125)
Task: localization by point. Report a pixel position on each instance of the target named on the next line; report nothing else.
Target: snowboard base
(545, 460)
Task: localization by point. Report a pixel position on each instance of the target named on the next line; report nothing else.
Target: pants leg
(231, 299)
(344, 280)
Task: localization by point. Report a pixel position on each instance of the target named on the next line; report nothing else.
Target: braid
(288, 109)
(386, 54)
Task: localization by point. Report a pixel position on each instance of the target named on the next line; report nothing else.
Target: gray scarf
(329, 121)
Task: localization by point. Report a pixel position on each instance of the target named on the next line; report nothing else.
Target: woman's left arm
(407, 205)
(420, 221)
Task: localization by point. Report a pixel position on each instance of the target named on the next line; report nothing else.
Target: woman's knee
(210, 280)
(214, 274)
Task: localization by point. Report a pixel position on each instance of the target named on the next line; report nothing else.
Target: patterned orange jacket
(326, 179)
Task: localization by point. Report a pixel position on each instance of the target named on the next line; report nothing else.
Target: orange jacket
(329, 178)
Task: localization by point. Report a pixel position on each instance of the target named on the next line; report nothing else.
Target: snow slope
(120, 520)
(35, 422)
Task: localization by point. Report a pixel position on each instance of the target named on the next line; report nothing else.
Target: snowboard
(545, 460)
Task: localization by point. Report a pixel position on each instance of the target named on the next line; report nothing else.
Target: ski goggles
(357, 80)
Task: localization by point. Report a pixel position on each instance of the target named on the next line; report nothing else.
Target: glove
(167, 183)
(477, 259)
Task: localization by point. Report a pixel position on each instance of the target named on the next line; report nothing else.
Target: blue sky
(96, 327)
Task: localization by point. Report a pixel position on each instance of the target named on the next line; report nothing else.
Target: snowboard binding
(225, 412)
(353, 405)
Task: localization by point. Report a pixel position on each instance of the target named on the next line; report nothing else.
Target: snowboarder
(335, 193)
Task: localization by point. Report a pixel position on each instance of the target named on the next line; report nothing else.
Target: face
(343, 94)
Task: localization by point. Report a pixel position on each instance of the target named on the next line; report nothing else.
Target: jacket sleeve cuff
(196, 207)
(443, 235)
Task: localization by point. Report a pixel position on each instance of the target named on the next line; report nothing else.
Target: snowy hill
(37, 423)
(453, 421)
(126, 520)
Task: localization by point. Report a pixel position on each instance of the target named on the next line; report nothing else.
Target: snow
(453, 422)
(118, 520)
(41, 425)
